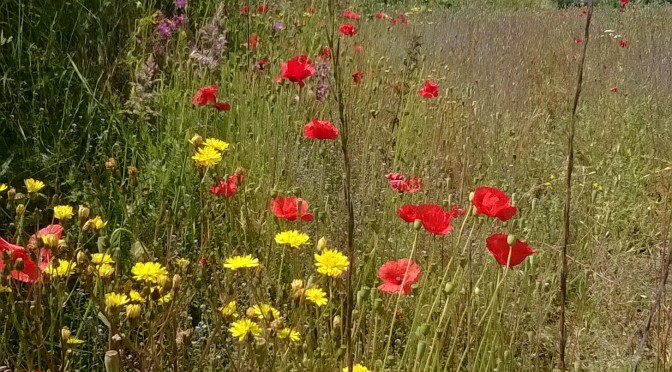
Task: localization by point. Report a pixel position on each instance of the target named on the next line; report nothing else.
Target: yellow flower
(265, 311)
(105, 270)
(33, 185)
(357, 368)
(95, 223)
(207, 156)
(331, 263)
(63, 212)
(182, 263)
(229, 309)
(243, 328)
(217, 144)
(165, 299)
(294, 238)
(68, 339)
(64, 268)
(3, 187)
(290, 334)
(149, 272)
(136, 296)
(316, 296)
(4, 289)
(241, 262)
(113, 300)
(133, 311)
(101, 258)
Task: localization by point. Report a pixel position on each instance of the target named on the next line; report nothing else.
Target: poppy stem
(568, 195)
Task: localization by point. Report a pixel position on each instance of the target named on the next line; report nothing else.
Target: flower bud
(321, 244)
(417, 224)
(62, 244)
(81, 257)
(420, 350)
(422, 330)
(65, 334)
(377, 303)
(20, 210)
(361, 295)
(471, 196)
(336, 322)
(111, 164)
(83, 213)
(177, 280)
(50, 241)
(449, 288)
(196, 140)
(11, 194)
(133, 310)
(18, 264)
(274, 193)
(511, 240)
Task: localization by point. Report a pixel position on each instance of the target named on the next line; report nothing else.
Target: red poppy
(408, 212)
(401, 18)
(203, 260)
(31, 271)
(499, 247)
(261, 64)
(397, 183)
(623, 44)
(297, 69)
(225, 188)
(349, 14)
(358, 48)
(320, 129)
(287, 208)
(380, 15)
(261, 9)
(348, 29)
(397, 276)
(244, 10)
(222, 106)
(625, 2)
(434, 219)
(613, 89)
(578, 40)
(357, 76)
(205, 95)
(456, 211)
(310, 9)
(493, 202)
(252, 42)
(399, 88)
(429, 90)
(325, 53)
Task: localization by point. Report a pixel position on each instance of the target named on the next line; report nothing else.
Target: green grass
(72, 97)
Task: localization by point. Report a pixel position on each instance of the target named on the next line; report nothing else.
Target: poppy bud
(274, 193)
(477, 291)
(420, 350)
(18, 264)
(471, 196)
(20, 210)
(511, 240)
(377, 303)
(11, 194)
(296, 191)
(417, 224)
(449, 287)
(83, 213)
(361, 295)
(321, 244)
(422, 330)
(196, 140)
(336, 322)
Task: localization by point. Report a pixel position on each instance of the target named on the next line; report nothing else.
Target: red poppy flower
(456, 211)
(287, 208)
(434, 219)
(225, 188)
(408, 212)
(399, 88)
(358, 48)
(397, 183)
(578, 40)
(261, 64)
(429, 90)
(31, 271)
(397, 276)
(623, 44)
(357, 76)
(348, 29)
(222, 106)
(252, 42)
(493, 202)
(297, 69)
(261, 9)
(310, 10)
(613, 89)
(380, 15)
(325, 53)
(499, 247)
(320, 129)
(349, 14)
(205, 95)
(402, 19)
(203, 260)
(244, 10)
(625, 2)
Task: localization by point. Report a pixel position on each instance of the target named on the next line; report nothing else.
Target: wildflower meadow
(329, 185)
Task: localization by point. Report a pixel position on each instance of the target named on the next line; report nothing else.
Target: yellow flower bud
(133, 311)
(321, 244)
(20, 210)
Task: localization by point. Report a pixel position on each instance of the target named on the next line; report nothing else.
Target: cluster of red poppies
(24, 268)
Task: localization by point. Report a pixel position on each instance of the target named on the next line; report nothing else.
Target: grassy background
(506, 78)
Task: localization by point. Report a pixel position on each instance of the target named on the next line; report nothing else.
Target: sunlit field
(198, 185)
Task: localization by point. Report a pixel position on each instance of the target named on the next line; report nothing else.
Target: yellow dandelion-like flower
(105, 270)
(63, 212)
(217, 144)
(5, 289)
(73, 341)
(101, 258)
(136, 296)
(241, 262)
(316, 295)
(182, 263)
(244, 328)
(64, 269)
(357, 368)
(149, 272)
(331, 262)
(3, 187)
(95, 223)
(207, 156)
(293, 238)
(288, 333)
(133, 311)
(33, 185)
(113, 300)
(229, 310)
(265, 311)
